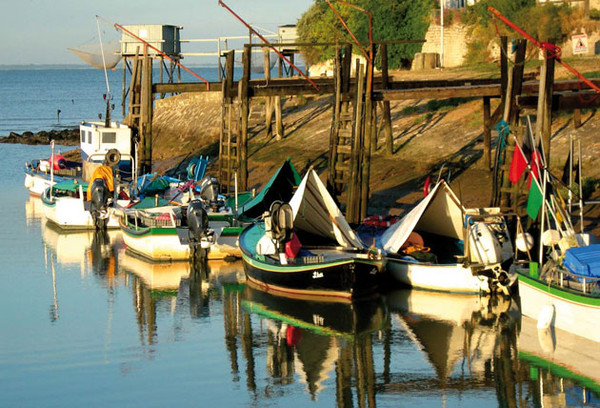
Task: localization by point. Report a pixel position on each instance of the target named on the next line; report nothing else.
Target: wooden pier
(357, 103)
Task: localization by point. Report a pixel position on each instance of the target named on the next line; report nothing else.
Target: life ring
(380, 221)
(112, 157)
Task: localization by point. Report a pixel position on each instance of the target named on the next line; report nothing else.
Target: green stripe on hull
(299, 268)
(559, 371)
(557, 292)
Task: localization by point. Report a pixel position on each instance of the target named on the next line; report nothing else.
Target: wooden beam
(563, 101)
(438, 93)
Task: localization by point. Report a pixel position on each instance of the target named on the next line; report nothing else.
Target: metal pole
(441, 33)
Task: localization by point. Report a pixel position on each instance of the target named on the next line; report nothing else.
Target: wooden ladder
(229, 146)
(342, 142)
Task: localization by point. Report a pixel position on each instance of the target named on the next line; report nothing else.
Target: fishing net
(92, 54)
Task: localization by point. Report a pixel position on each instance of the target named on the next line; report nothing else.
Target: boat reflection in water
(34, 210)
(173, 290)
(315, 340)
(467, 339)
(563, 369)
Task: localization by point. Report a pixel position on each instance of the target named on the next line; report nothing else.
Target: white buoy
(524, 242)
(545, 317)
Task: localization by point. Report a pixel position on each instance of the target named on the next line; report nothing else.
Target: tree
(392, 20)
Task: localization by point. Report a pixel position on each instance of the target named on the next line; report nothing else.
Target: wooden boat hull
(454, 278)
(346, 275)
(163, 244)
(559, 307)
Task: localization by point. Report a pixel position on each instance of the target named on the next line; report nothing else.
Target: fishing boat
(163, 233)
(306, 248)
(99, 142)
(440, 245)
(558, 269)
(559, 277)
(66, 205)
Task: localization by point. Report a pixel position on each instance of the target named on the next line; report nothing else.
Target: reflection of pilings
(248, 354)
(343, 378)
(230, 319)
(365, 372)
(505, 370)
(145, 311)
(387, 353)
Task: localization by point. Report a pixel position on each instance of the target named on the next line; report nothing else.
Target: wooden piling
(487, 133)
(244, 114)
(145, 125)
(386, 110)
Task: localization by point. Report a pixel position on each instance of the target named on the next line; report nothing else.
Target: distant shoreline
(37, 67)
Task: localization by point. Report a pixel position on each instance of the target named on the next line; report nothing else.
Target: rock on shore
(65, 137)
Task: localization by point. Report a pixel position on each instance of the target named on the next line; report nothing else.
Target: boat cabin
(99, 142)
(96, 140)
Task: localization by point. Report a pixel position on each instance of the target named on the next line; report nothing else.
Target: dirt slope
(427, 135)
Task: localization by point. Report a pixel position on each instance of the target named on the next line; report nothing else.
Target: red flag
(517, 166)
(536, 165)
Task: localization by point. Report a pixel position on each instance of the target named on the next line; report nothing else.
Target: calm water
(29, 99)
(86, 324)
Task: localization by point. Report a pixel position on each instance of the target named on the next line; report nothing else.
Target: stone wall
(455, 43)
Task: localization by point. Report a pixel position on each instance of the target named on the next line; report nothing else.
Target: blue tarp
(584, 261)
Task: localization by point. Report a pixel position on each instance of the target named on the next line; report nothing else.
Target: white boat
(162, 234)
(440, 245)
(558, 269)
(557, 297)
(98, 141)
(65, 205)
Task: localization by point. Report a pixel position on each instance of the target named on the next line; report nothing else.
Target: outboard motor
(198, 231)
(282, 226)
(99, 203)
(209, 192)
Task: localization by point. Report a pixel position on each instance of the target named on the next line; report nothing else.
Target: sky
(40, 31)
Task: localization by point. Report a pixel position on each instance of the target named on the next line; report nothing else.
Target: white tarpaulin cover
(316, 212)
(439, 213)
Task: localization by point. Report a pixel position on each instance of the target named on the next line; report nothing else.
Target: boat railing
(145, 219)
(560, 276)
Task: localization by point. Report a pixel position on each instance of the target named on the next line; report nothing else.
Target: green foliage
(392, 20)
(548, 22)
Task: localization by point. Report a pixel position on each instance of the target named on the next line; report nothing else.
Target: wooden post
(146, 115)
(279, 132)
(547, 118)
(354, 184)
(268, 99)
(368, 140)
(577, 118)
(244, 113)
(335, 119)
(229, 65)
(503, 67)
(386, 111)
(487, 132)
